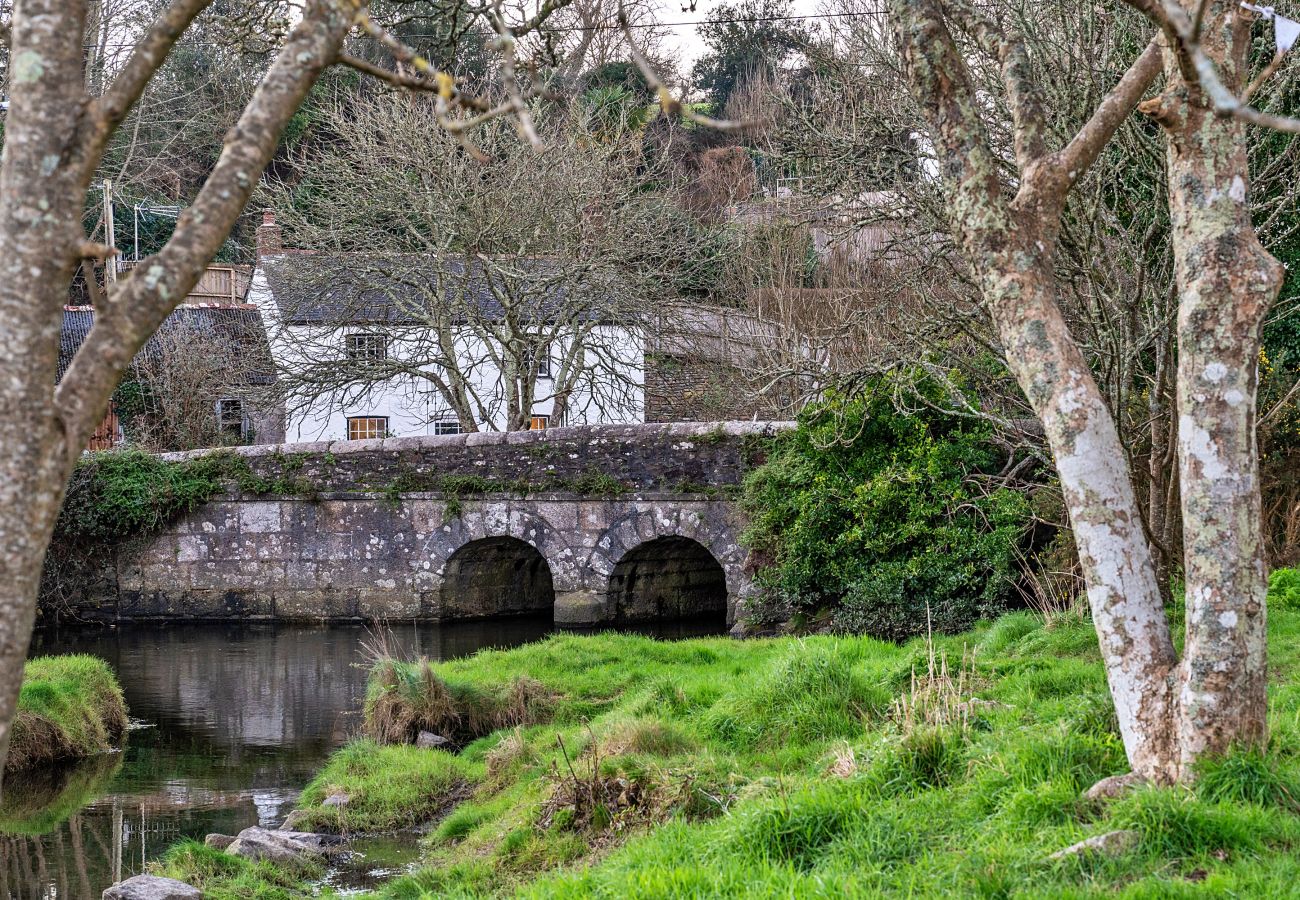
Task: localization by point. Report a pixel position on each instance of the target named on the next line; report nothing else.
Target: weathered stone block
(257, 517)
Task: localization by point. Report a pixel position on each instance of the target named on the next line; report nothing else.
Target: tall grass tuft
(69, 707)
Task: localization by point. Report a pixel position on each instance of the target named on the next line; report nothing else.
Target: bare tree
(56, 134)
(492, 294)
(204, 380)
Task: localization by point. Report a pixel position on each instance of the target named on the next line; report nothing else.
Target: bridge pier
(581, 608)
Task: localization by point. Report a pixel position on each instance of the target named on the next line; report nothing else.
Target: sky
(685, 39)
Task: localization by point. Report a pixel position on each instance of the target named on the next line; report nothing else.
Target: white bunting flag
(1285, 30)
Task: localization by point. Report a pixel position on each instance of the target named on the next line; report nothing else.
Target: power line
(568, 29)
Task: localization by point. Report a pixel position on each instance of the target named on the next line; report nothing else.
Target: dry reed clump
(584, 798)
(511, 753)
(843, 762)
(937, 698)
(407, 698)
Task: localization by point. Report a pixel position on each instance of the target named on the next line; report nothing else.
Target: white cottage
(373, 345)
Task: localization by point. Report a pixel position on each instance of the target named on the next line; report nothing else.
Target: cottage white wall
(612, 393)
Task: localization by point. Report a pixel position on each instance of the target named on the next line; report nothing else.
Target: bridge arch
(667, 578)
(496, 576)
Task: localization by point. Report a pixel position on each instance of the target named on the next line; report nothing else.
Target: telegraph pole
(110, 236)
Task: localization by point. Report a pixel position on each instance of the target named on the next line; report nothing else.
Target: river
(229, 723)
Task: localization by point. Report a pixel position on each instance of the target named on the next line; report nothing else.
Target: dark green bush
(871, 515)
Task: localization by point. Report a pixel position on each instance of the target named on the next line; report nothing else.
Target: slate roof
(351, 289)
(241, 325)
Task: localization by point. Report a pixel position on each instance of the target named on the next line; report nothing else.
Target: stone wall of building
(355, 537)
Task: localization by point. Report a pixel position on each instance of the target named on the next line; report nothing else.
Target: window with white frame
(363, 428)
(447, 426)
(366, 345)
(542, 355)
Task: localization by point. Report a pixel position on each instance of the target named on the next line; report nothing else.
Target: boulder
(293, 820)
(283, 847)
(219, 841)
(336, 800)
(151, 887)
(1114, 786)
(427, 740)
(1112, 843)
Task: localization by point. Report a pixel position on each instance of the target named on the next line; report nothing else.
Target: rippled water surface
(233, 721)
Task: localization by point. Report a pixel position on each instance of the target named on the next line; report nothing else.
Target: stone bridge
(602, 524)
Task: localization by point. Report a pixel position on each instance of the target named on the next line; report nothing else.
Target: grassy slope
(69, 707)
(780, 768)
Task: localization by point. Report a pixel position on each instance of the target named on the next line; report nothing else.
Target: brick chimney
(270, 241)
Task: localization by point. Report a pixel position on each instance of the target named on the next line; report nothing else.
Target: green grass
(69, 707)
(388, 787)
(788, 768)
(221, 876)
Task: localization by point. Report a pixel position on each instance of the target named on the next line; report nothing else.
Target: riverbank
(70, 707)
(615, 765)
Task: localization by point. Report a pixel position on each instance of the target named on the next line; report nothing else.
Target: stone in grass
(294, 819)
(1112, 843)
(219, 841)
(1114, 786)
(339, 799)
(152, 887)
(283, 847)
(427, 740)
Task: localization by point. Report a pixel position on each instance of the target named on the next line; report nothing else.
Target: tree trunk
(40, 213)
(1118, 568)
(54, 136)
(1226, 283)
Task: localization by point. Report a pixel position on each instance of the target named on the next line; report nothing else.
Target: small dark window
(231, 420)
(363, 428)
(366, 345)
(447, 426)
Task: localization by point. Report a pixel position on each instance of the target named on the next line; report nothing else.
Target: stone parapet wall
(656, 457)
(354, 547)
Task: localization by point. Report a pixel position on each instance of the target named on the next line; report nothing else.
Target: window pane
(539, 422)
(363, 428)
(362, 345)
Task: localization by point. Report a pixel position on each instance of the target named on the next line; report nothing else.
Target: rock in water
(151, 887)
(427, 740)
(285, 847)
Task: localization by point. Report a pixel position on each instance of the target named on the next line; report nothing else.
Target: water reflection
(236, 720)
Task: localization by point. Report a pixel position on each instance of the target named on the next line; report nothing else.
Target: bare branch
(1074, 159)
(1200, 71)
(1024, 95)
(671, 106)
(156, 286)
